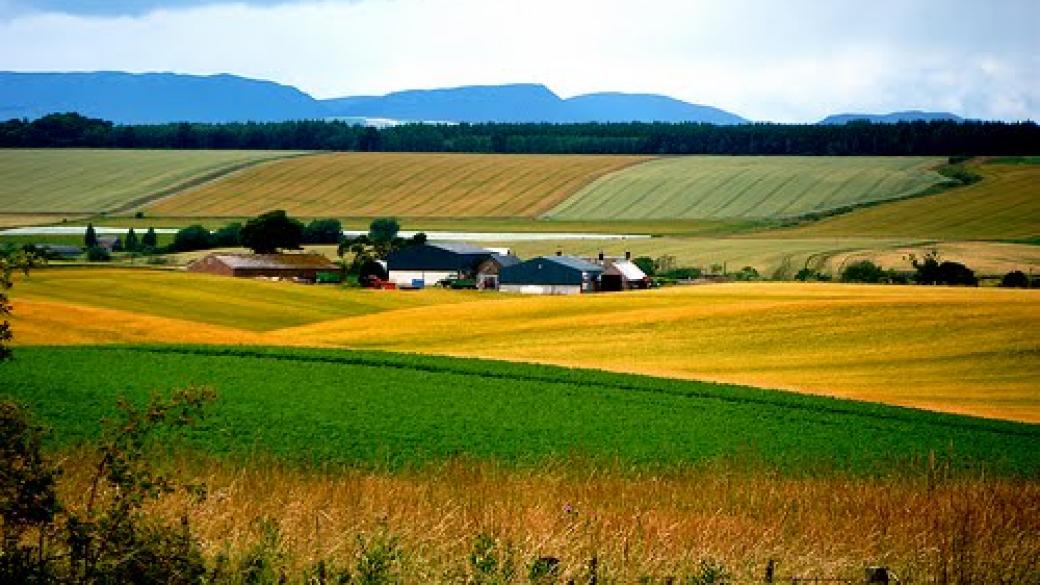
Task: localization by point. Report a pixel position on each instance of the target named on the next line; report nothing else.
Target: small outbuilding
(110, 243)
(489, 270)
(551, 275)
(622, 274)
(432, 262)
(301, 266)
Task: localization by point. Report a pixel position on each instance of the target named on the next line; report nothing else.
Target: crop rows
(398, 410)
(406, 185)
(90, 181)
(711, 187)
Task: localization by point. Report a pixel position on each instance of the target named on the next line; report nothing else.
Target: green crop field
(391, 409)
(713, 187)
(72, 181)
(1004, 205)
(400, 184)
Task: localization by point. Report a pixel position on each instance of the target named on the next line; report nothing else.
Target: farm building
(110, 243)
(433, 262)
(58, 251)
(621, 274)
(304, 266)
(488, 271)
(551, 275)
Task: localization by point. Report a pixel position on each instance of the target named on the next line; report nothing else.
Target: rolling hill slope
(1004, 205)
(703, 187)
(404, 185)
(91, 181)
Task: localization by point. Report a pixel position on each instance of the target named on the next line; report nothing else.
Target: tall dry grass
(927, 526)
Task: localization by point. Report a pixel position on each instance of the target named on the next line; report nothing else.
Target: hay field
(707, 187)
(972, 351)
(70, 181)
(1005, 205)
(399, 184)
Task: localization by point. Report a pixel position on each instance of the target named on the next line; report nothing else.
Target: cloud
(797, 61)
(114, 7)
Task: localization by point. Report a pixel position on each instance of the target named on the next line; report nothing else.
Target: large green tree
(270, 232)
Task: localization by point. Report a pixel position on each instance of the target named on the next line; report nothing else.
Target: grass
(386, 410)
(72, 181)
(1004, 205)
(971, 351)
(399, 184)
(711, 187)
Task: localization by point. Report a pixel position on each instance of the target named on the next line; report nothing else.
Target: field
(960, 350)
(1005, 205)
(404, 185)
(330, 450)
(705, 187)
(90, 181)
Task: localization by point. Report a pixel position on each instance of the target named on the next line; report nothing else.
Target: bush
(323, 231)
(956, 273)
(808, 274)
(863, 271)
(97, 254)
(646, 264)
(747, 273)
(191, 238)
(681, 273)
(228, 236)
(1015, 279)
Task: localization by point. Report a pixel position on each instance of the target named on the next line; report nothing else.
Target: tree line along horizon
(859, 138)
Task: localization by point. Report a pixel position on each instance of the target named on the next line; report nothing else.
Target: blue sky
(792, 61)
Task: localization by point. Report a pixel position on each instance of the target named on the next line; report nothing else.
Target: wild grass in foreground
(397, 411)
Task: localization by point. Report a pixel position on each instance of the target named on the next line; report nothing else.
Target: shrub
(1015, 279)
(863, 271)
(681, 273)
(956, 273)
(747, 273)
(323, 231)
(646, 264)
(808, 274)
(378, 559)
(191, 238)
(98, 254)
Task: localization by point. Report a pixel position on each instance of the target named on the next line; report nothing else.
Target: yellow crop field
(400, 184)
(1004, 205)
(972, 351)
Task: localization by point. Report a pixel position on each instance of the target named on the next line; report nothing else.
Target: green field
(385, 409)
(1004, 205)
(89, 181)
(714, 187)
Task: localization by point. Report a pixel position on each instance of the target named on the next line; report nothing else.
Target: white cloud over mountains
(783, 61)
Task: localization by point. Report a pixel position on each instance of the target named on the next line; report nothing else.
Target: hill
(949, 349)
(1004, 205)
(891, 118)
(526, 103)
(91, 181)
(401, 184)
(710, 187)
(151, 98)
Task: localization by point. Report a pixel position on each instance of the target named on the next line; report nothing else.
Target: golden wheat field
(972, 351)
(400, 184)
(922, 523)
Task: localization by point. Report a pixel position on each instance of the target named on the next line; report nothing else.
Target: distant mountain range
(152, 98)
(893, 118)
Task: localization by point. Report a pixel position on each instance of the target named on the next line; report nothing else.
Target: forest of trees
(941, 138)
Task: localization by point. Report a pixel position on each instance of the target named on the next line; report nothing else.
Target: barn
(432, 262)
(622, 274)
(302, 266)
(489, 270)
(551, 275)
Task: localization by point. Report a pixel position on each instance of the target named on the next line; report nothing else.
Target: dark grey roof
(274, 261)
(574, 262)
(459, 247)
(505, 260)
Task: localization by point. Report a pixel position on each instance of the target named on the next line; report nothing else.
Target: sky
(782, 61)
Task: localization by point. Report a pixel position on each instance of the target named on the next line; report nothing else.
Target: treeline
(937, 138)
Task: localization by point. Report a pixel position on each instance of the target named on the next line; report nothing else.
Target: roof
(459, 247)
(561, 270)
(573, 262)
(628, 269)
(273, 261)
(504, 260)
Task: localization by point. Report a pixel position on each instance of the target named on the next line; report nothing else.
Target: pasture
(398, 184)
(971, 351)
(75, 181)
(749, 187)
(1005, 205)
